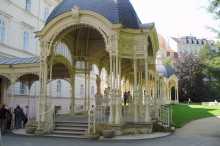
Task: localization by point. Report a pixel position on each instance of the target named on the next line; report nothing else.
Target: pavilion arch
(3, 76)
(4, 85)
(57, 88)
(64, 62)
(27, 80)
(60, 71)
(173, 88)
(83, 17)
(61, 49)
(86, 40)
(28, 77)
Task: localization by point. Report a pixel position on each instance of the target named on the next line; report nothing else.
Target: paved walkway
(127, 137)
(204, 127)
(205, 132)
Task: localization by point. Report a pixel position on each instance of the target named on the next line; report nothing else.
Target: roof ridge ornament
(75, 11)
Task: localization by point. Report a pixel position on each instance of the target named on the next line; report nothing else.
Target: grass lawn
(183, 114)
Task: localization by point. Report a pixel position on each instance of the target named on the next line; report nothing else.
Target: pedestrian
(24, 119)
(8, 119)
(189, 101)
(3, 119)
(125, 98)
(129, 96)
(18, 117)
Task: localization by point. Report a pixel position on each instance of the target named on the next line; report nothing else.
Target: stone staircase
(70, 126)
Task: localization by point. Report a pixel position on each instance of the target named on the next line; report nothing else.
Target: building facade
(191, 44)
(167, 51)
(19, 20)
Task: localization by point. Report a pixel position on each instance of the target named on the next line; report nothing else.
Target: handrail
(165, 115)
(91, 122)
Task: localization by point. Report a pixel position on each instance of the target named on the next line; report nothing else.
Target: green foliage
(213, 8)
(168, 61)
(205, 53)
(182, 114)
(214, 62)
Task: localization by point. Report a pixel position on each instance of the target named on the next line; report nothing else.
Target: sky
(176, 18)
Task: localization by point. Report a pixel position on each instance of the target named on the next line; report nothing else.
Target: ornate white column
(115, 110)
(72, 106)
(88, 104)
(177, 92)
(86, 89)
(135, 94)
(118, 90)
(111, 118)
(43, 83)
(12, 98)
(147, 111)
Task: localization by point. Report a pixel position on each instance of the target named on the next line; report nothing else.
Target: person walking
(125, 98)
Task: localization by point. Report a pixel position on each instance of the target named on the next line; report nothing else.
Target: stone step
(64, 132)
(67, 136)
(71, 125)
(71, 128)
(72, 122)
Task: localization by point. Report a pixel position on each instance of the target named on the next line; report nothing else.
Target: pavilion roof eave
(19, 61)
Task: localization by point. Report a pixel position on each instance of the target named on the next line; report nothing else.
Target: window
(168, 54)
(22, 88)
(46, 13)
(59, 84)
(2, 30)
(28, 5)
(81, 90)
(26, 40)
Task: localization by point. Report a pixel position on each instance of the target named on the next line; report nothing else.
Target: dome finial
(75, 8)
(75, 11)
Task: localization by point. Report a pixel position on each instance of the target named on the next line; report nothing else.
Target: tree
(214, 8)
(211, 70)
(189, 70)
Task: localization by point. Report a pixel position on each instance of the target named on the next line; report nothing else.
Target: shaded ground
(182, 113)
(203, 132)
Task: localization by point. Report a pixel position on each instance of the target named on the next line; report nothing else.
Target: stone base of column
(72, 110)
(43, 128)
